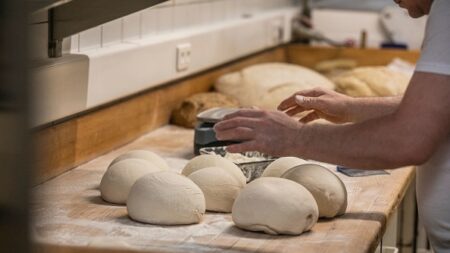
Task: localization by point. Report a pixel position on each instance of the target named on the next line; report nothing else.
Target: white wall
(342, 25)
(169, 17)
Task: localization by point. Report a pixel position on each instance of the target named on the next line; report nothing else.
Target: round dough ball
(281, 165)
(327, 188)
(145, 155)
(204, 161)
(118, 179)
(275, 206)
(219, 186)
(166, 198)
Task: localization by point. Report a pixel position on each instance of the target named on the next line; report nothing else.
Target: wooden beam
(51, 248)
(310, 56)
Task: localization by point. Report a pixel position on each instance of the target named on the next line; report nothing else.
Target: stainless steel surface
(251, 169)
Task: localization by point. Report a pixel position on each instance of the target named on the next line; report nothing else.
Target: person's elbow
(415, 152)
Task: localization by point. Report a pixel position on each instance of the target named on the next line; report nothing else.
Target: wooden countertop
(68, 211)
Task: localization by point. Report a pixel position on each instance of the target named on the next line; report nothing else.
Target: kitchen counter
(68, 211)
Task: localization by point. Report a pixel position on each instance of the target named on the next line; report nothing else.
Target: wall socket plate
(183, 59)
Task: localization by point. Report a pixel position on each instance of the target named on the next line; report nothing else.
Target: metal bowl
(252, 163)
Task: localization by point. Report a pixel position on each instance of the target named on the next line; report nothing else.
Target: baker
(381, 133)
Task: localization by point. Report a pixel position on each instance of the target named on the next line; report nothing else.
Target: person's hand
(270, 132)
(323, 104)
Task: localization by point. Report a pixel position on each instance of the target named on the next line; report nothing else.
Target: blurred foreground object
(14, 173)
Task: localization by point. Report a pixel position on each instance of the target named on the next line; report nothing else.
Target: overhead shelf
(43, 5)
(68, 17)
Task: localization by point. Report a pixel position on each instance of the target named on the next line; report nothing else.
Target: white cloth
(433, 178)
(435, 55)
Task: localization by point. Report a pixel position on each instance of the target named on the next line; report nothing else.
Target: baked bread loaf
(372, 81)
(185, 114)
(266, 85)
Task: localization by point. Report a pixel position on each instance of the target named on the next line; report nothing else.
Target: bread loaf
(185, 114)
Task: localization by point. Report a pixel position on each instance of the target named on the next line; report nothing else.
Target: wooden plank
(49, 248)
(310, 56)
(68, 210)
(65, 145)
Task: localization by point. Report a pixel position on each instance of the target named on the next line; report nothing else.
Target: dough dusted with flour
(119, 177)
(275, 206)
(145, 155)
(204, 161)
(266, 85)
(166, 198)
(281, 165)
(219, 186)
(327, 188)
(372, 81)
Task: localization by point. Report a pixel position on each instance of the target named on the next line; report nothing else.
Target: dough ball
(275, 206)
(219, 187)
(145, 155)
(204, 161)
(266, 85)
(186, 113)
(372, 81)
(281, 165)
(327, 188)
(166, 198)
(118, 179)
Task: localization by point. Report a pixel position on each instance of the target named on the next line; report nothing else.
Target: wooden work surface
(68, 211)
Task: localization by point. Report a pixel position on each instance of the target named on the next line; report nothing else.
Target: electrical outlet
(183, 57)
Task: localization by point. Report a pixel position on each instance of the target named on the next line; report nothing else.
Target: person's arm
(408, 136)
(373, 107)
(336, 107)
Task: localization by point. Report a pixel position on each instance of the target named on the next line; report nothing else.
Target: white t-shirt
(433, 178)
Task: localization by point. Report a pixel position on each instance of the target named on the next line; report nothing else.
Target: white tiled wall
(170, 16)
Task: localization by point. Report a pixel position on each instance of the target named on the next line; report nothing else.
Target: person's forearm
(384, 142)
(408, 136)
(366, 108)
